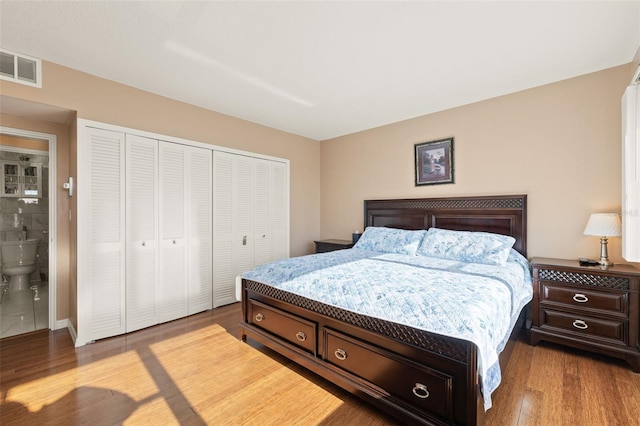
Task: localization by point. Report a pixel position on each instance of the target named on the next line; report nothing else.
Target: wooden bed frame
(416, 376)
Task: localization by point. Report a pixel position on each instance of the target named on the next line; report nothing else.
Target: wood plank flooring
(195, 371)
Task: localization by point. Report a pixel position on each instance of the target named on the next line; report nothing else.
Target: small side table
(324, 246)
(587, 307)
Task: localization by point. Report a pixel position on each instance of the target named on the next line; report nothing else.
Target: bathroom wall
(30, 212)
(44, 123)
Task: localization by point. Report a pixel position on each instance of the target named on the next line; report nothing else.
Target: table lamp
(604, 225)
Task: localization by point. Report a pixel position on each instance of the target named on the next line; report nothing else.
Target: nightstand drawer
(606, 301)
(586, 326)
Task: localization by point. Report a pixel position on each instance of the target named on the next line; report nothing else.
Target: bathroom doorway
(28, 213)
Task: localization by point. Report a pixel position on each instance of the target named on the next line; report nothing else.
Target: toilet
(18, 262)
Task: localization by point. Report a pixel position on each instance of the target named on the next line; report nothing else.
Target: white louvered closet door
(262, 211)
(250, 218)
(271, 209)
(101, 235)
(142, 231)
(271, 206)
(223, 236)
(172, 294)
(200, 251)
(233, 216)
(243, 213)
(279, 210)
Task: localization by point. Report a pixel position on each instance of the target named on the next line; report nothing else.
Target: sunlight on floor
(216, 394)
(172, 381)
(88, 383)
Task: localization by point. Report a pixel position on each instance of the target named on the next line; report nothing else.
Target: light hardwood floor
(195, 371)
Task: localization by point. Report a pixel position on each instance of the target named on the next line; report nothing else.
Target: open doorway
(28, 218)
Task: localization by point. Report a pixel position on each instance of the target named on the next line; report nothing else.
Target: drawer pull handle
(580, 298)
(259, 317)
(420, 391)
(341, 354)
(580, 324)
(301, 336)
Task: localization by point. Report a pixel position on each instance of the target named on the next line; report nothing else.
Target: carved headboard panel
(500, 214)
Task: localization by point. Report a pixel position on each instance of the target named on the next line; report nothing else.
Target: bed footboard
(417, 377)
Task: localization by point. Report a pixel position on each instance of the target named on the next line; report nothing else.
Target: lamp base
(604, 256)
(605, 263)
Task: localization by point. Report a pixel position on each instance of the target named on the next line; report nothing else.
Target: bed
(338, 320)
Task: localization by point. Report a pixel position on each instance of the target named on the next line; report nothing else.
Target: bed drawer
(291, 328)
(407, 381)
(586, 326)
(611, 302)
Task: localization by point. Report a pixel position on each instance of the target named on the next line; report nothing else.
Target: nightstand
(587, 307)
(324, 246)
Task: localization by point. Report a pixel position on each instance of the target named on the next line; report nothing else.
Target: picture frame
(434, 162)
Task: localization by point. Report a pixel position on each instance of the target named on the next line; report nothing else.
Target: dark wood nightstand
(323, 246)
(587, 307)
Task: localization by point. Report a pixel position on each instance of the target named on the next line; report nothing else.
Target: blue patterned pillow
(465, 246)
(390, 240)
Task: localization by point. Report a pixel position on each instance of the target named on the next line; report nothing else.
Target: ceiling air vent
(20, 68)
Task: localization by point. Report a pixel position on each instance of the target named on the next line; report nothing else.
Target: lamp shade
(604, 225)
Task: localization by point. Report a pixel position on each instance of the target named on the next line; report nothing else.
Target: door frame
(52, 141)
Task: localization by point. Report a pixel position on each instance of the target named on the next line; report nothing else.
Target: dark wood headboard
(500, 214)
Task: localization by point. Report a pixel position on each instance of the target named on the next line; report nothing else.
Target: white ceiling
(326, 69)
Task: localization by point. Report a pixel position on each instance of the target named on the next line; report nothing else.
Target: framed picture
(434, 162)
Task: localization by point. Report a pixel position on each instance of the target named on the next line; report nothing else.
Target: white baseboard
(65, 323)
(72, 332)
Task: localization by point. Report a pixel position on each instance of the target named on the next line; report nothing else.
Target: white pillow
(390, 240)
(466, 246)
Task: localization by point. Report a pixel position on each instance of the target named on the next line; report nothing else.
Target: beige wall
(560, 144)
(109, 102)
(24, 143)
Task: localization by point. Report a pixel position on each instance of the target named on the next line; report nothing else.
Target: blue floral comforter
(474, 302)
